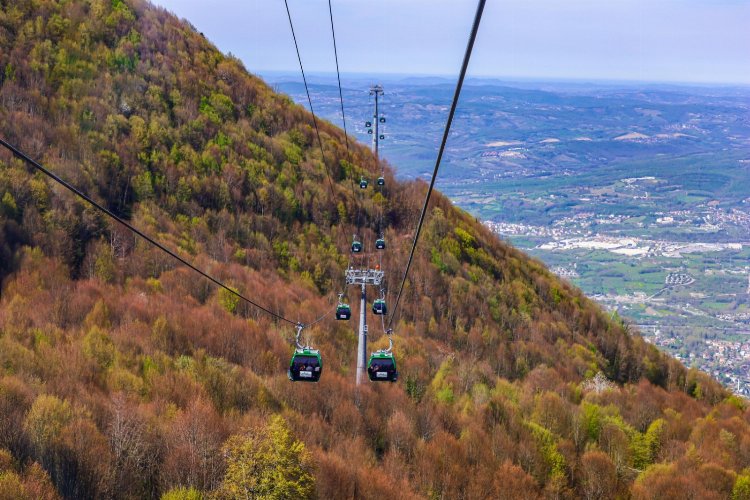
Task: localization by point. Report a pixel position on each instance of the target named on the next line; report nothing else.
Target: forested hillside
(124, 374)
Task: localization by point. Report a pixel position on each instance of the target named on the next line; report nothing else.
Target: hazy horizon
(669, 41)
(395, 77)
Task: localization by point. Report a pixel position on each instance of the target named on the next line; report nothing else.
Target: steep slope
(124, 375)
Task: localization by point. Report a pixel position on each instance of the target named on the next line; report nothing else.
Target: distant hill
(631, 136)
(124, 375)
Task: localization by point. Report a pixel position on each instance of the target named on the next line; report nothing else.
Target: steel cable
(454, 104)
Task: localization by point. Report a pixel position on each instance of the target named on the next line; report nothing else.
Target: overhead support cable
(454, 104)
(357, 209)
(309, 100)
(343, 114)
(338, 76)
(18, 153)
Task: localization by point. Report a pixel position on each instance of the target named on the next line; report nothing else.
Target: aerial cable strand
(338, 76)
(341, 98)
(309, 100)
(108, 212)
(343, 114)
(320, 318)
(454, 104)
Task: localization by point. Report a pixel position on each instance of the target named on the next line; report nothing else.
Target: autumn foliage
(123, 374)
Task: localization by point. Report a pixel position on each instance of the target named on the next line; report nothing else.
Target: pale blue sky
(643, 40)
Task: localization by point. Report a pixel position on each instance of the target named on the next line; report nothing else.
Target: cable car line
(382, 364)
(338, 76)
(309, 100)
(454, 104)
(343, 114)
(306, 363)
(317, 320)
(355, 242)
(18, 153)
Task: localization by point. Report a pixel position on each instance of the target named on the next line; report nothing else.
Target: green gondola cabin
(378, 307)
(380, 244)
(343, 312)
(382, 367)
(306, 365)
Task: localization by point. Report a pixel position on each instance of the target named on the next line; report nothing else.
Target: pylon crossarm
(364, 277)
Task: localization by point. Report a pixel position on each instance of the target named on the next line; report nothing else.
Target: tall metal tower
(363, 278)
(377, 91)
(367, 277)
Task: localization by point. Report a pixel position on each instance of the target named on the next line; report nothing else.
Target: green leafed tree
(183, 494)
(46, 419)
(741, 490)
(268, 462)
(228, 300)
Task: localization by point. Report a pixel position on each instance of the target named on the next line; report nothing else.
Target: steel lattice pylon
(363, 278)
